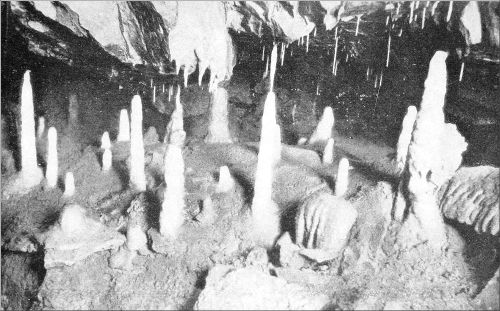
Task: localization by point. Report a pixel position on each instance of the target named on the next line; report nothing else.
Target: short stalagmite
(328, 152)
(405, 137)
(52, 161)
(226, 181)
(342, 181)
(69, 185)
(105, 141)
(107, 159)
(137, 175)
(124, 127)
(324, 128)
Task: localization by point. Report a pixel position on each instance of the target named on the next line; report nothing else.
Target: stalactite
(450, 9)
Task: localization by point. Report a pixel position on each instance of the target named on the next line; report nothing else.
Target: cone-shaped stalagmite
(30, 174)
(265, 213)
(172, 213)
(124, 128)
(328, 152)
(226, 181)
(405, 137)
(434, 154)
(107, 160)
(324, 128)
(52, 162)
(342, 181)
(137, 175)
(69, 185)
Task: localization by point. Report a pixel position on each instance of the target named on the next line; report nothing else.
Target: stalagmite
(263, 52)
(342, 181)
(176, 119)
(72, 219)
(357, 24)
(172, 212)
(170, 91)
(226, 181)
(41, 127)
(69, 185)
(151, 83)
(324, 128)
(388, 51)
(368, 73)
(218, 128)
(328, 152)
(137, 175)
(124, 128)
(30, 174)
(450, 9)
(317, 89)
(265, 212)
(302, 141)
(387, 20)
(163, 88)
(461, 72)
(307, 43)
(315, 28)
(283, 49)
(52, 161)
(105, 141)
(405, 137)
(266, 72)
(106, 160)
(434, 154)
(186, 76)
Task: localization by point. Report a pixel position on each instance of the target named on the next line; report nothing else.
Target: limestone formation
(405, 137)
(105, 141)
(41, 127)
(52, 161)
(218, 129)
(226, 181)
(137, 175)
(30, 174)
(324, 128)
(106, 160)
(434, 154)
(176, 122)
(302, 141)
(124, 128)
(69, 185)
(342, 180)
(76, 236)
(172, 213)
(472, 197)
(328, 152)
(207, 215)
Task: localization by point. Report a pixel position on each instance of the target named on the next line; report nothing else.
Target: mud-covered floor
(367, 125)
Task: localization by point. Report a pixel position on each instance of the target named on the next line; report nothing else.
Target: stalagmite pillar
(324, 128)
(69, 185)
(52, 162)
(265, 213)
(434, 154)
(137, 175)
(105, 141)
(405, 137)
(328, 152)
(29, 167)
(342, 181)
(172, 213)
(218, 128)
(124, 128)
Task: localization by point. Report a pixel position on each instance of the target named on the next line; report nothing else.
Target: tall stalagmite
(137, 175)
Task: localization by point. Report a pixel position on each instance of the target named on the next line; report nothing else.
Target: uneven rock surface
(252, 289)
